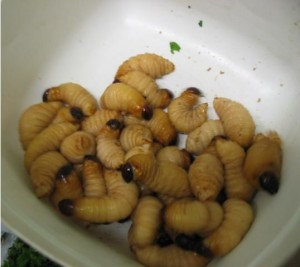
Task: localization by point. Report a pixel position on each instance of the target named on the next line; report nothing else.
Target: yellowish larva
(237, 121)
(184, 112)
(73, 94)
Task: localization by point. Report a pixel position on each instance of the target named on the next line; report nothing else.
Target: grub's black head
(91, 157)
(195, 91)
(114, 124)
(147, 112)
(269, 182)
(77, 113)
(66, 207)
(45, 95)
(127, 172)
(64, 172)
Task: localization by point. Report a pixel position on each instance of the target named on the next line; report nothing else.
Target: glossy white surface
(246, 50)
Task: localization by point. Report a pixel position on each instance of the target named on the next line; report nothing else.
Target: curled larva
(206, 176)
(97, 121)
(75, 146)
(109, 149)
(67, 185)
(232, 156)
(150, 64)
(124, 98)
(184, 112)
(74, 95)
(187, 216)
(146, 85)
(162, 177)
(169, 256)
(263, 162)
(146, 221)
(35, 119)
(142, 149)
(135, 135)
(92, 177)
(238, 217)
(43, 172)
(200, 138)
(162, 129)
(47, 140)
(237, 121)
(119, 202)
(175, 155)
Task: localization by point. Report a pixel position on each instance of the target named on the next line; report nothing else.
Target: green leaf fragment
(200, 23)
(174, 47)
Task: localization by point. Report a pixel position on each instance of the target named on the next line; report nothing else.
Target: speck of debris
(281, 84)
(222, 72)
(189, 57)
(254, 68)
(209, 69)
(171, 10)
(160, 32)
(189, 7)
(258, 100)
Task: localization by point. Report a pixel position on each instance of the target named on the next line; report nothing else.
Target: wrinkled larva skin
(146, 85)
(232, 156)
(173, 154)
(160, 125)
(74, 95)
(97, 121)
(64, 114)
(169, 256)
(75, 146)
(237, 121)
(67, 185)
(142, 149)
(93, 178)
(48, 140)
(186, 216)
(124, 98)
(146, 221)
(238, 217)
(184, 112)
(135, 135)
(162, 177)
(206, 176)
(165, 199)
(118, 204)
(200, 138)
(109, 149)
(43, 171)
(150, 64)
(263, 162)
(35, 119)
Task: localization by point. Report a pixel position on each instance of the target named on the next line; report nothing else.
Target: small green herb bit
(174, 47)
(200, 23)
(22, 255)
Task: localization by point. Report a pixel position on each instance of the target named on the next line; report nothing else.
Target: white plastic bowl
(245, 50)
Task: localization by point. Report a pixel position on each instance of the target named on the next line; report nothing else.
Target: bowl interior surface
(245, 50)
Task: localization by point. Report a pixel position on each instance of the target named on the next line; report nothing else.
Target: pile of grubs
(119, 159)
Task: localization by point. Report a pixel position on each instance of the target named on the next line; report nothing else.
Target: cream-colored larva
(162, 129)
(119, 202)
(67, 185)
(142, 149)
(97, 121)
(35, 119)
(184, 112)
(169, 256)
(206, 176)
(263, 162)
(146, 222)
(109, 149)
(200, 138)
(147, 86)
(135, 135)
(68, 114)
(43, 172)
(48, 140)
(77, 145)
(124, 98)
(186, 216)
(175, 155)
(232, 156)
(74, 95)
(162, 177)
(93, 177)
(151, 64)
(238, 217)
(237, 121)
